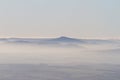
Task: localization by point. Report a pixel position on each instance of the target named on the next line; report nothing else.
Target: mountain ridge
(56, 41)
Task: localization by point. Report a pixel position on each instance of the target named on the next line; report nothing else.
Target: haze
(46, 40)
(51, 18)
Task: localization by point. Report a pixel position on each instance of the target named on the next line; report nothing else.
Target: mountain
(66, 39)
(60, 41)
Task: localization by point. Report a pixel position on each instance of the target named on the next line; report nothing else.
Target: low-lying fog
(36, 62)
(35, 54)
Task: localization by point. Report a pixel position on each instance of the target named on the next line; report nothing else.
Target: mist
(59, 60)
(14, 53)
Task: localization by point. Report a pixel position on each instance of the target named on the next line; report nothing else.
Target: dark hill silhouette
(57, 41)
(66, 39)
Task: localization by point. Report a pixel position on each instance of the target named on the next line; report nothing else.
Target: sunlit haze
(59, 39)
(53, 18)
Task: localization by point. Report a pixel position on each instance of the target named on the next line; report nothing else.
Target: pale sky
(53, 18)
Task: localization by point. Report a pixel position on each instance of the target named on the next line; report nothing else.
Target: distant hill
(60, 41)
(66, 39)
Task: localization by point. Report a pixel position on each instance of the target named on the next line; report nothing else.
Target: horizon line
(114, 38)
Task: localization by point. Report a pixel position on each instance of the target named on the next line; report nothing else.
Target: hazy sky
(52, 18)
